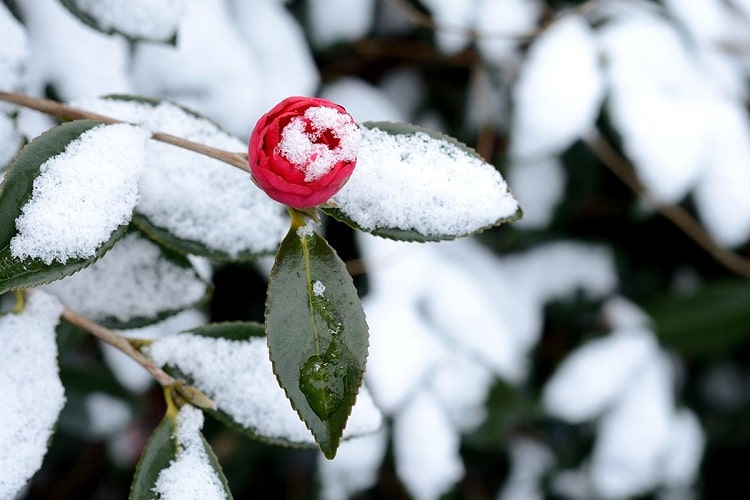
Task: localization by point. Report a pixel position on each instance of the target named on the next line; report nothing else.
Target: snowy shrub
(268, 249)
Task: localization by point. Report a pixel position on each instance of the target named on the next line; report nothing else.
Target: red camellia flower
(303, 151)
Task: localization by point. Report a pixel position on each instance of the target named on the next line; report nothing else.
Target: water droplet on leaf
(322, 380)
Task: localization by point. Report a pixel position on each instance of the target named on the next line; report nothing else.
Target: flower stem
(50, 107)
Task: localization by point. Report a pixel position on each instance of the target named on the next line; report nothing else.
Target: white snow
(403, 352)
(417, 182)
(238, 377)
(628, 453)
(32, 392)
(656, 102)
(592, 377)
(106, 414)
(461, 384)
(77, 60)
(509, 17)
(247, 79)
(559, 91)
(684, 450)
(149, 19)
(539, 185)
(721, 194)
(13, 53)
(362, 100)
(680, 126)
(355, 467)
(257, 23)
(195, 197)
(339, 20)
(82, 195)
(190, 474)
(318, 289)
(133, 280)
(529, 461)
(426, 447)
(313, 158)
(453, 16)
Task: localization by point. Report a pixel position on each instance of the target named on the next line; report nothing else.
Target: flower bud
(303, 151)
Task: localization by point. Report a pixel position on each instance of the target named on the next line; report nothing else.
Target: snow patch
(32, 392)
(82, 195)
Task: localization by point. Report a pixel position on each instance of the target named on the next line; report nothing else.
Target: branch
(121, 343)
(61, 110)
(680, 217)
(168, 382)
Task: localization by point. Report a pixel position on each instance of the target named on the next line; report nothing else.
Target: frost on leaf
(238, 377)
(31, 389)
(82, 195)
(135, 280)
(193, 197)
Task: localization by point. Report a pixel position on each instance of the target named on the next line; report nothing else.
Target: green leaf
(15, 192)
(91, 21)
(162, 449)
(708, 322)
(416, 184)
(317, 334)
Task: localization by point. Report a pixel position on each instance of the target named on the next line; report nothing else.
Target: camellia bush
(261, 249)
(75, 192)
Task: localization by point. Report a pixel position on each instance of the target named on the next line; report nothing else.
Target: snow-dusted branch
(680, 217)
(55, 108)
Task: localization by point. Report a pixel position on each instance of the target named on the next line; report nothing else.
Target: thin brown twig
(680, 217)
(121, 343)
(61, 110)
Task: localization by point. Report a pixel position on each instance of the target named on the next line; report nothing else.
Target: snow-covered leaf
(66, 199)
(419, 185)
(70, 57)
(190, 202)
(426, 449)
(592, 377)
(229, 363)
(721, 194)
(559, 91)
(657, 103)
(177, 462)
(633, 436)
(150, 20)
(539, 186)
(32, 392)
(339, 20)
(135, 284)
(355, 467)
